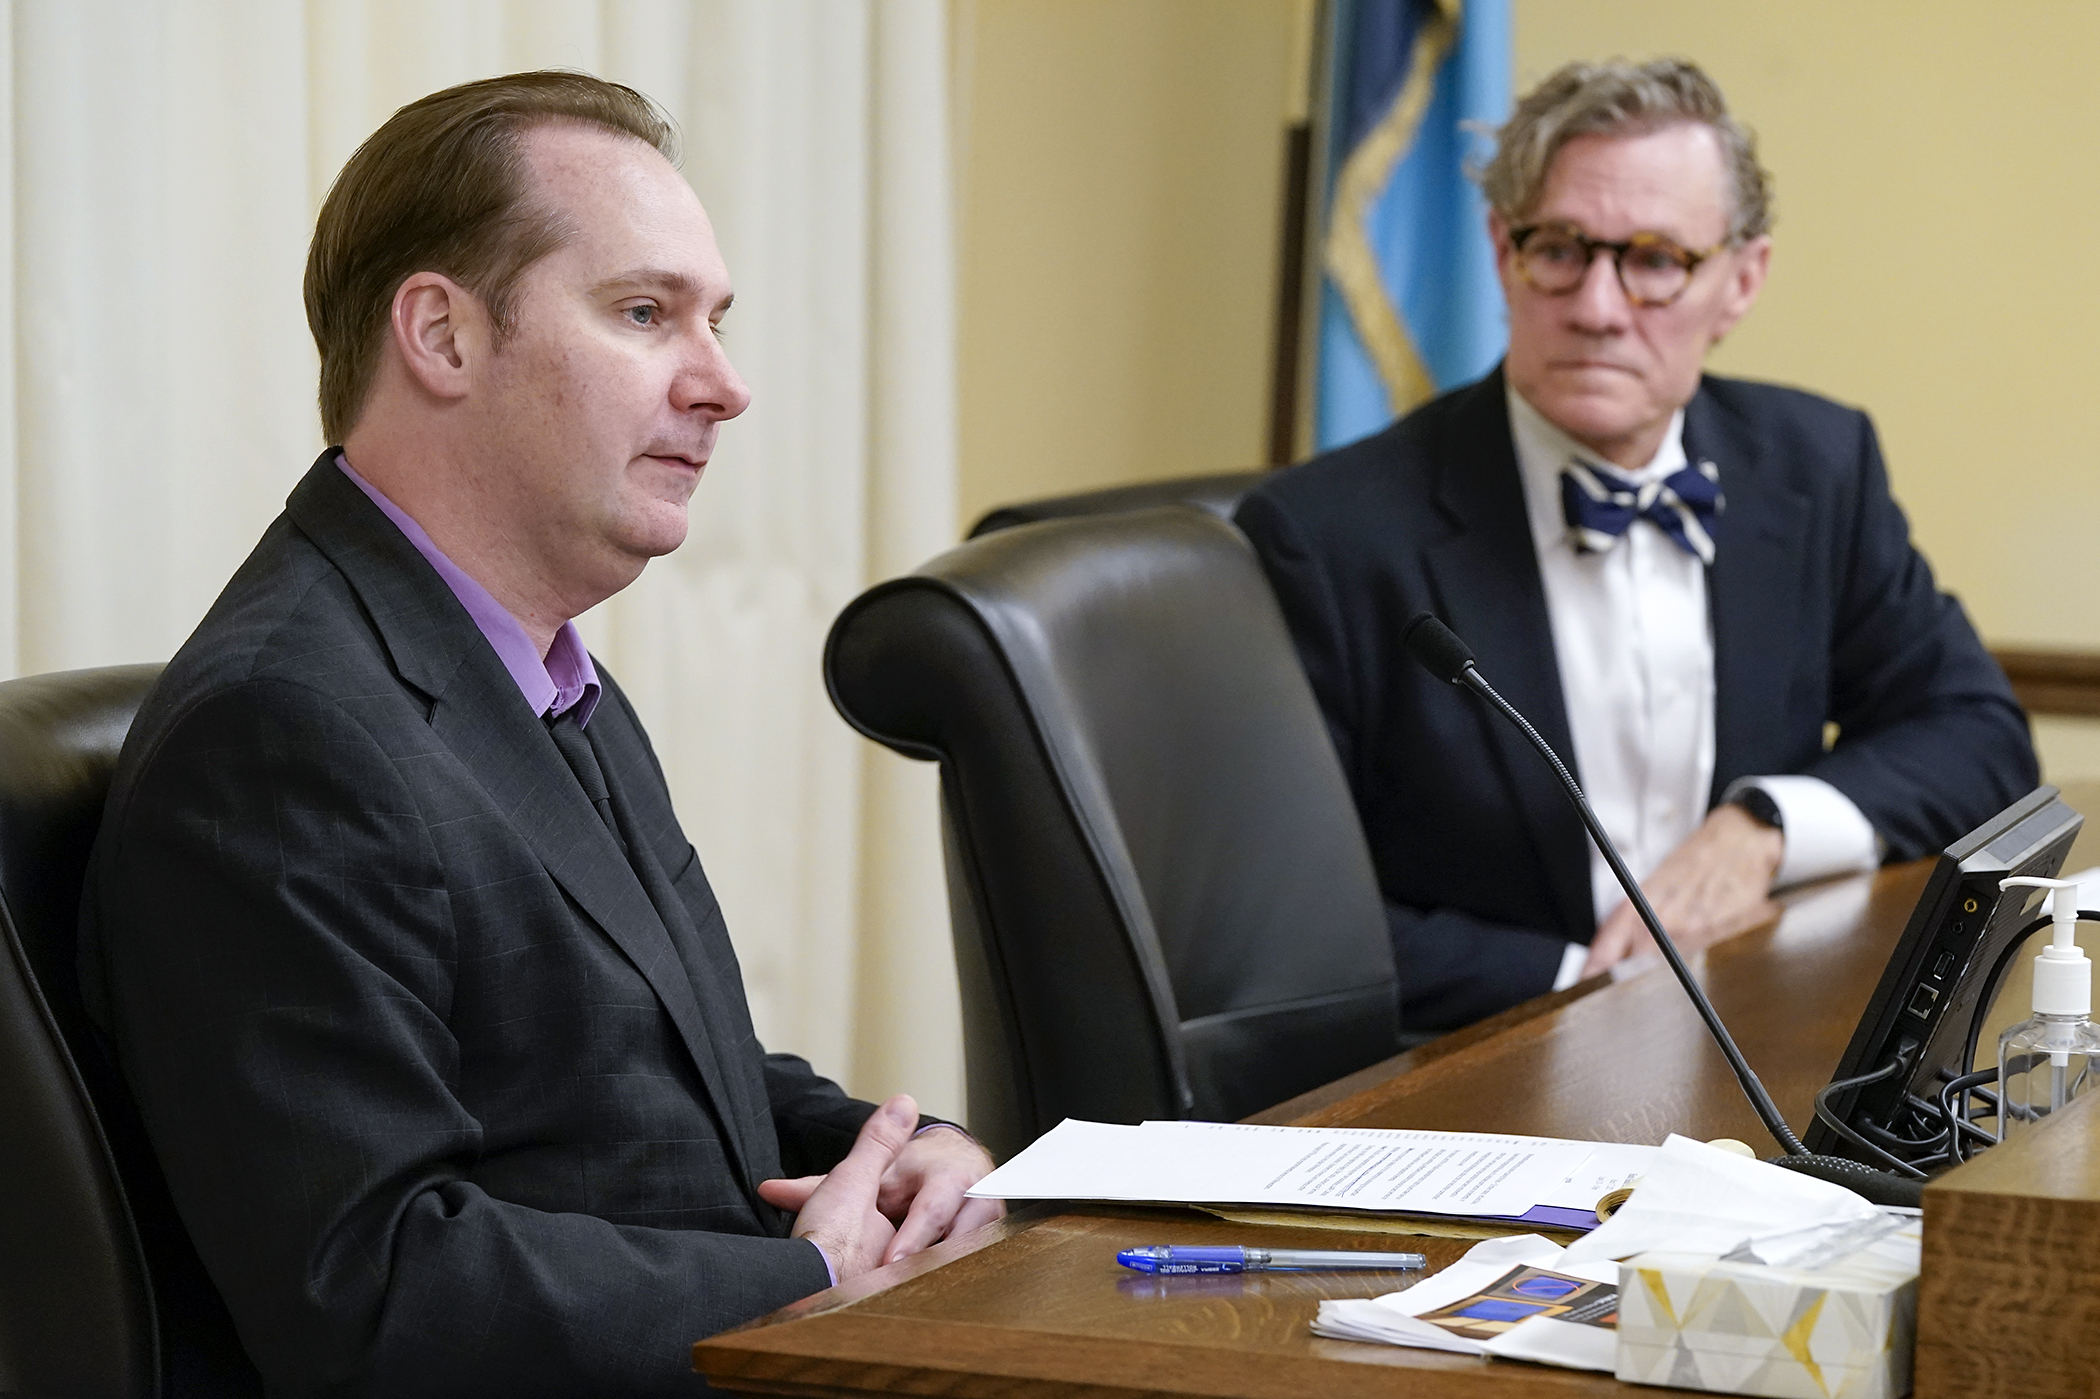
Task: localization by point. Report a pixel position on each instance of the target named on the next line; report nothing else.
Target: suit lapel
(1486, 580)
(477, 712)
(737, 1087)
(517, 764)
(1754, 585)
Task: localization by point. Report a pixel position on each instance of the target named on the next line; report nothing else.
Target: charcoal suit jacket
(453, 1098)
(1821, 611)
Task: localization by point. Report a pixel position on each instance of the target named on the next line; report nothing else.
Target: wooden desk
(2009, 1299)
(1036, 1306)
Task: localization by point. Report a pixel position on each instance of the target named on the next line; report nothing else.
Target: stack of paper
(1473, 1175)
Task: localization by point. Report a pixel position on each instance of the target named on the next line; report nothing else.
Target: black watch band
(1757, 803)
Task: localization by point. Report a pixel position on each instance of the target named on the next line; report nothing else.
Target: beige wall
(1121, 167)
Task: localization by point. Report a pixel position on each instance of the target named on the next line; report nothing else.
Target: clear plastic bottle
(2046, 1061)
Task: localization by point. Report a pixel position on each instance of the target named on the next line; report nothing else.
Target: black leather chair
(1162, 903)
(101, 1295)
(1219, 494)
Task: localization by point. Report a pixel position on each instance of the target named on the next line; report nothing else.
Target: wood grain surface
(2009, 1297)
(1037, 1306)
(1044, 1310)
(1632, 1062)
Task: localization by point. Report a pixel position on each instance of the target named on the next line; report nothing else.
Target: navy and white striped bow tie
(1600, 505)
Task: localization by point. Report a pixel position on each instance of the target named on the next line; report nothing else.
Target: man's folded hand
(923, 1190)
(893, 1195)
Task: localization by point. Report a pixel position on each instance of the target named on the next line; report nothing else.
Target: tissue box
(1837, 1320)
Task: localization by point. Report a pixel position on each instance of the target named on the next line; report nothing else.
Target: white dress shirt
(1634, 642)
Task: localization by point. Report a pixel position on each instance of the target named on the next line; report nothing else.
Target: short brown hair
(441, 188)
(1619, 98)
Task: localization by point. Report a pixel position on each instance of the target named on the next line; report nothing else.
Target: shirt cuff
(1571, 959)
(1825, 833)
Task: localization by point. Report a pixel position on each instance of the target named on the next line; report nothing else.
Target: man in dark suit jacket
(431, 1013)
(1747, 583)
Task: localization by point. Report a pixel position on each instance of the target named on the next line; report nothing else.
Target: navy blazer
(1822, 612)
(452, 1097)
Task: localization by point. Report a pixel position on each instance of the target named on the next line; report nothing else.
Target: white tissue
(1699, 1199)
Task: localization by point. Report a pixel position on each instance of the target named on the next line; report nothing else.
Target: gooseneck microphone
(1443, 655)
(1449, 659)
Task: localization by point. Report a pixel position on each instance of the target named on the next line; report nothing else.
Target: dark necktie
(1600, 505)
(583, 761)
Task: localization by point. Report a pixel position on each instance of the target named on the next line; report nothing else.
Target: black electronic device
(1930, 1005)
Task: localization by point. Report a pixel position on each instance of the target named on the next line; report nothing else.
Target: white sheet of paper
(1608, 1166)
(1369, 1319)
(1547, 1340)
(1458, 1173)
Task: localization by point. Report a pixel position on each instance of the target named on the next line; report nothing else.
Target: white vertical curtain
(166, 158)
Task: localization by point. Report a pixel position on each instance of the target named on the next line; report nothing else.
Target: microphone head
(1436, 646)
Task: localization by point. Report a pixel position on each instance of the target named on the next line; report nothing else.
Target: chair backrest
(1219, 494)
(100, 1293)
(1162, 901)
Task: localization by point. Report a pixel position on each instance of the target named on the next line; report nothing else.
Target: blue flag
(1409, 303)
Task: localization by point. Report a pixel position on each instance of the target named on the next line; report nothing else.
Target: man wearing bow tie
(1699, 589)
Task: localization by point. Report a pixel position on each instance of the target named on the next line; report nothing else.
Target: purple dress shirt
(565, 678)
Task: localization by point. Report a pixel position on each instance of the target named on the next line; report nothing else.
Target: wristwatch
(1757, 803)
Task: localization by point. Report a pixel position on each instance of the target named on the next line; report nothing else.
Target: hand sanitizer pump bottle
(2046, 1061)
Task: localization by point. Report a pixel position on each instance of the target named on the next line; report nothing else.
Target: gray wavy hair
(1618, 98)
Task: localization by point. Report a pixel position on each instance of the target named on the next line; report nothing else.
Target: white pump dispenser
(2045, 1061)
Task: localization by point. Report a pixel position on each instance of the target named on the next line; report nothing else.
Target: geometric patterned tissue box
(1837, 1322)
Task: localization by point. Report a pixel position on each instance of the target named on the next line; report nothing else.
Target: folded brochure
(1510, 1298)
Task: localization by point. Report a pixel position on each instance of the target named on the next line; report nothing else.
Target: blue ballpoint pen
(1159, 1258)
